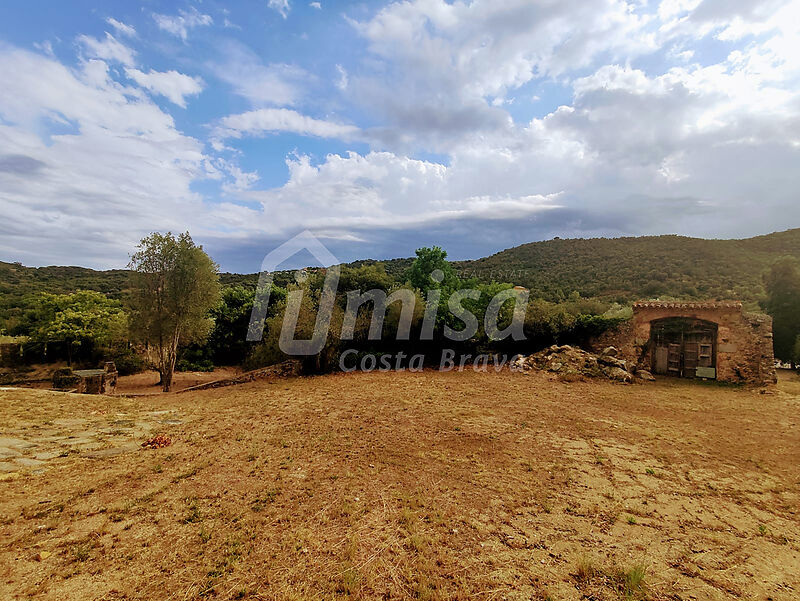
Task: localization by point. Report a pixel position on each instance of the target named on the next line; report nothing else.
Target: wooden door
(690, 357)
(674, 359)
(662, 356)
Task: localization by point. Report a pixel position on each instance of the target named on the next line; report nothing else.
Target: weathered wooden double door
(684, 347)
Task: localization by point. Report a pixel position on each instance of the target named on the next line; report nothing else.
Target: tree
(428, 260)
(783, 303)
(174, 285)
(84, 319)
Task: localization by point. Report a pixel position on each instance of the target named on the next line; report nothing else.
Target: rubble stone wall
(744, 341)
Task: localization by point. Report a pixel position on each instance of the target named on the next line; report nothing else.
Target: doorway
(684, 347)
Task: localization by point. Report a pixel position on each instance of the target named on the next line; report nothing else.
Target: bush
(201, 365)
(128, 362)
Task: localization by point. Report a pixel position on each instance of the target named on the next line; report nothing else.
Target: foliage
(627, 269)
(429, 260)
(174, 285)
(782, 283)
(84, 319)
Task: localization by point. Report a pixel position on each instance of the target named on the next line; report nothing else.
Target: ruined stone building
(712, 340)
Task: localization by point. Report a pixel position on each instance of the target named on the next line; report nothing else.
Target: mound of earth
(569, 361)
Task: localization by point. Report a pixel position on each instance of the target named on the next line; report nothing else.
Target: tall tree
(783, 303)
(174, 285)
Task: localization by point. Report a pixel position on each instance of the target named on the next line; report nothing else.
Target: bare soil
(404, 486)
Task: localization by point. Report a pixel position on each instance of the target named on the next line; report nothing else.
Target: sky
(385, 126)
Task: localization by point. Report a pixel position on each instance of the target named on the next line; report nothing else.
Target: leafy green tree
(174, 285)
(84, 319)
(782, 283)
(428, 260)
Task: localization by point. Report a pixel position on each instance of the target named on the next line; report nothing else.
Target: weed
(585, 569)
(266, 498)
(762, 530)
(650, 471)
(631, 583)
(349, 581)
(205, 535)
(193, 512)
(631, 520)
(80, 552)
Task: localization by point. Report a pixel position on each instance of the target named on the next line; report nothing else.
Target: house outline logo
(305, 240)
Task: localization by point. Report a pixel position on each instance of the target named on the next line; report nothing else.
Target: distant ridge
(617, 269)
(643, 267)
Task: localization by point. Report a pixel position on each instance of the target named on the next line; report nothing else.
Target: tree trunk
(169, 364)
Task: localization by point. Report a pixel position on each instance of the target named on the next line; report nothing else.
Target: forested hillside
(625, 269)
(621, 269)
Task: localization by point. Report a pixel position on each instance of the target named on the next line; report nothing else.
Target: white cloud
(107, 49)
(281, 6)
(117, 168)
(271, 84)
(170, 84)
(121, 28)
(316, 5)
(180, 24)
(342, 81)
(265, 121)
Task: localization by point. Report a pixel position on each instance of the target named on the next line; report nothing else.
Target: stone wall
(744, 341)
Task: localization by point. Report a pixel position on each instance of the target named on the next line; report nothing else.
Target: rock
(572, 361)
(618, 374)
(42, 555)
(643, 374)
(610, 351)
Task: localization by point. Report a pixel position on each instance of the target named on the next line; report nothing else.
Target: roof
(688, 305)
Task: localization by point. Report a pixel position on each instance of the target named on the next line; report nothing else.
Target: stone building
(87, 381)
(713, 340)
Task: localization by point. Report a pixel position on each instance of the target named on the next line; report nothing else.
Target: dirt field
(428, 486)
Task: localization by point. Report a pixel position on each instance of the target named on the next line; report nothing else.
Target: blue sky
(385, 126)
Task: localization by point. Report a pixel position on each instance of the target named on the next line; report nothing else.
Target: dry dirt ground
(401, 485)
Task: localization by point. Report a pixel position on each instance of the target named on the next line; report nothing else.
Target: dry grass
(420, 486)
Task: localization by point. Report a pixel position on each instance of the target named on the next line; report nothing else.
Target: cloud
(281, 6)
(107, 49)
(121, 28)
(341, 83)
(265, 121)
(20, 164)
(180, 24)
(261, 84)
(316, 5)
(440, 64)
(114, 169)
(170, 84)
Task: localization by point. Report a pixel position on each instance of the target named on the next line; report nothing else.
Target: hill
(625, 269)
(619, 269)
